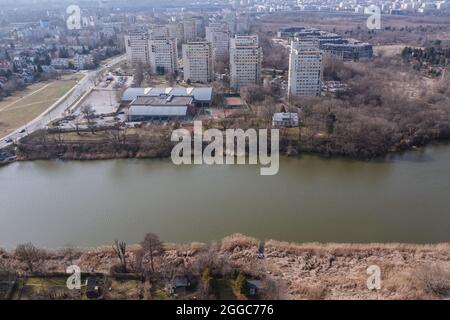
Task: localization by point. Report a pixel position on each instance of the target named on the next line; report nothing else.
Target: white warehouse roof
(157, 111)
(199, 94)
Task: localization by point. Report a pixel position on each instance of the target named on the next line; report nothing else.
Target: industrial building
(163, 107)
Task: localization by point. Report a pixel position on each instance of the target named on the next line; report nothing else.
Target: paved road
(58, 109)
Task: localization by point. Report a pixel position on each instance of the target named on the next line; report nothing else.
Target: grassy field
(26, 105)
(125, 289)
(45, 288)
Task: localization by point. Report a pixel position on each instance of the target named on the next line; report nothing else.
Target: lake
(403, 198)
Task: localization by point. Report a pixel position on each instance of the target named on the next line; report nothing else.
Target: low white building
(285, 119)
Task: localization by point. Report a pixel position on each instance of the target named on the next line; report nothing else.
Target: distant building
(163, 55)
(136, 45)
(331, 43)
(230, 18)
(305, 68)
(5, 66)
(61, 63)
(198, 62)
(219, 37)
(189, 30)
(83, 61)
(285, 119)
(158, 32)
(176, 32)
(352, 50)
(245, 61)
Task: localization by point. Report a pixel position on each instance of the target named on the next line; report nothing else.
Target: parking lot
(103, 101)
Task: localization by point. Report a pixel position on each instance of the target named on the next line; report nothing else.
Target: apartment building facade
(245, 61)
(189, 30)
(157, 31)
(305, 68)
(136, 45)
(163, 56)
(219, 37)
(198, 61)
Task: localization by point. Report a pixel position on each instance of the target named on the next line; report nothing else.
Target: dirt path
(24, 97)
(32, 104)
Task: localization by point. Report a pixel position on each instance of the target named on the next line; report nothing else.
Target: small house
(179, 284)
(285, 119)
(254, 287)
(92, 289)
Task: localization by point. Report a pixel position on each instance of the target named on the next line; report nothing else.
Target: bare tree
(138, 74)
(89, 113)
(152, 246)
(120, 250)
(137, 261)
(29, 254)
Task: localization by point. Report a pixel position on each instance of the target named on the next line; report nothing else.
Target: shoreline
(297, 270)
(152, 154)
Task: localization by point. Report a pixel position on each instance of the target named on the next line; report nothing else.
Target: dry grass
(299, 271)
(423, 282)
(388, 50)
(348, 249)
(314, 292)
(26, 105)
(238, 240)
(435, 280)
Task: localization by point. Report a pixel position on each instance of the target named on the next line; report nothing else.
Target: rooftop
(162, 100)
(149, 111)
(199, 94)
(280, 116)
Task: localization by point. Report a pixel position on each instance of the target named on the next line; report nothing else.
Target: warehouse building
(160, 108)
(202, 97)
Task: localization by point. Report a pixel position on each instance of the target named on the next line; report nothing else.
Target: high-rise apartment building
(305, 68)
(198, 61)
(176, 32)
(136, 45)
(189, 30)
(163, 55)
(245, 61)
(218, 35)
(157, 31)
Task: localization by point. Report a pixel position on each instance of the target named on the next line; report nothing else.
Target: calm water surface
(402, 199)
